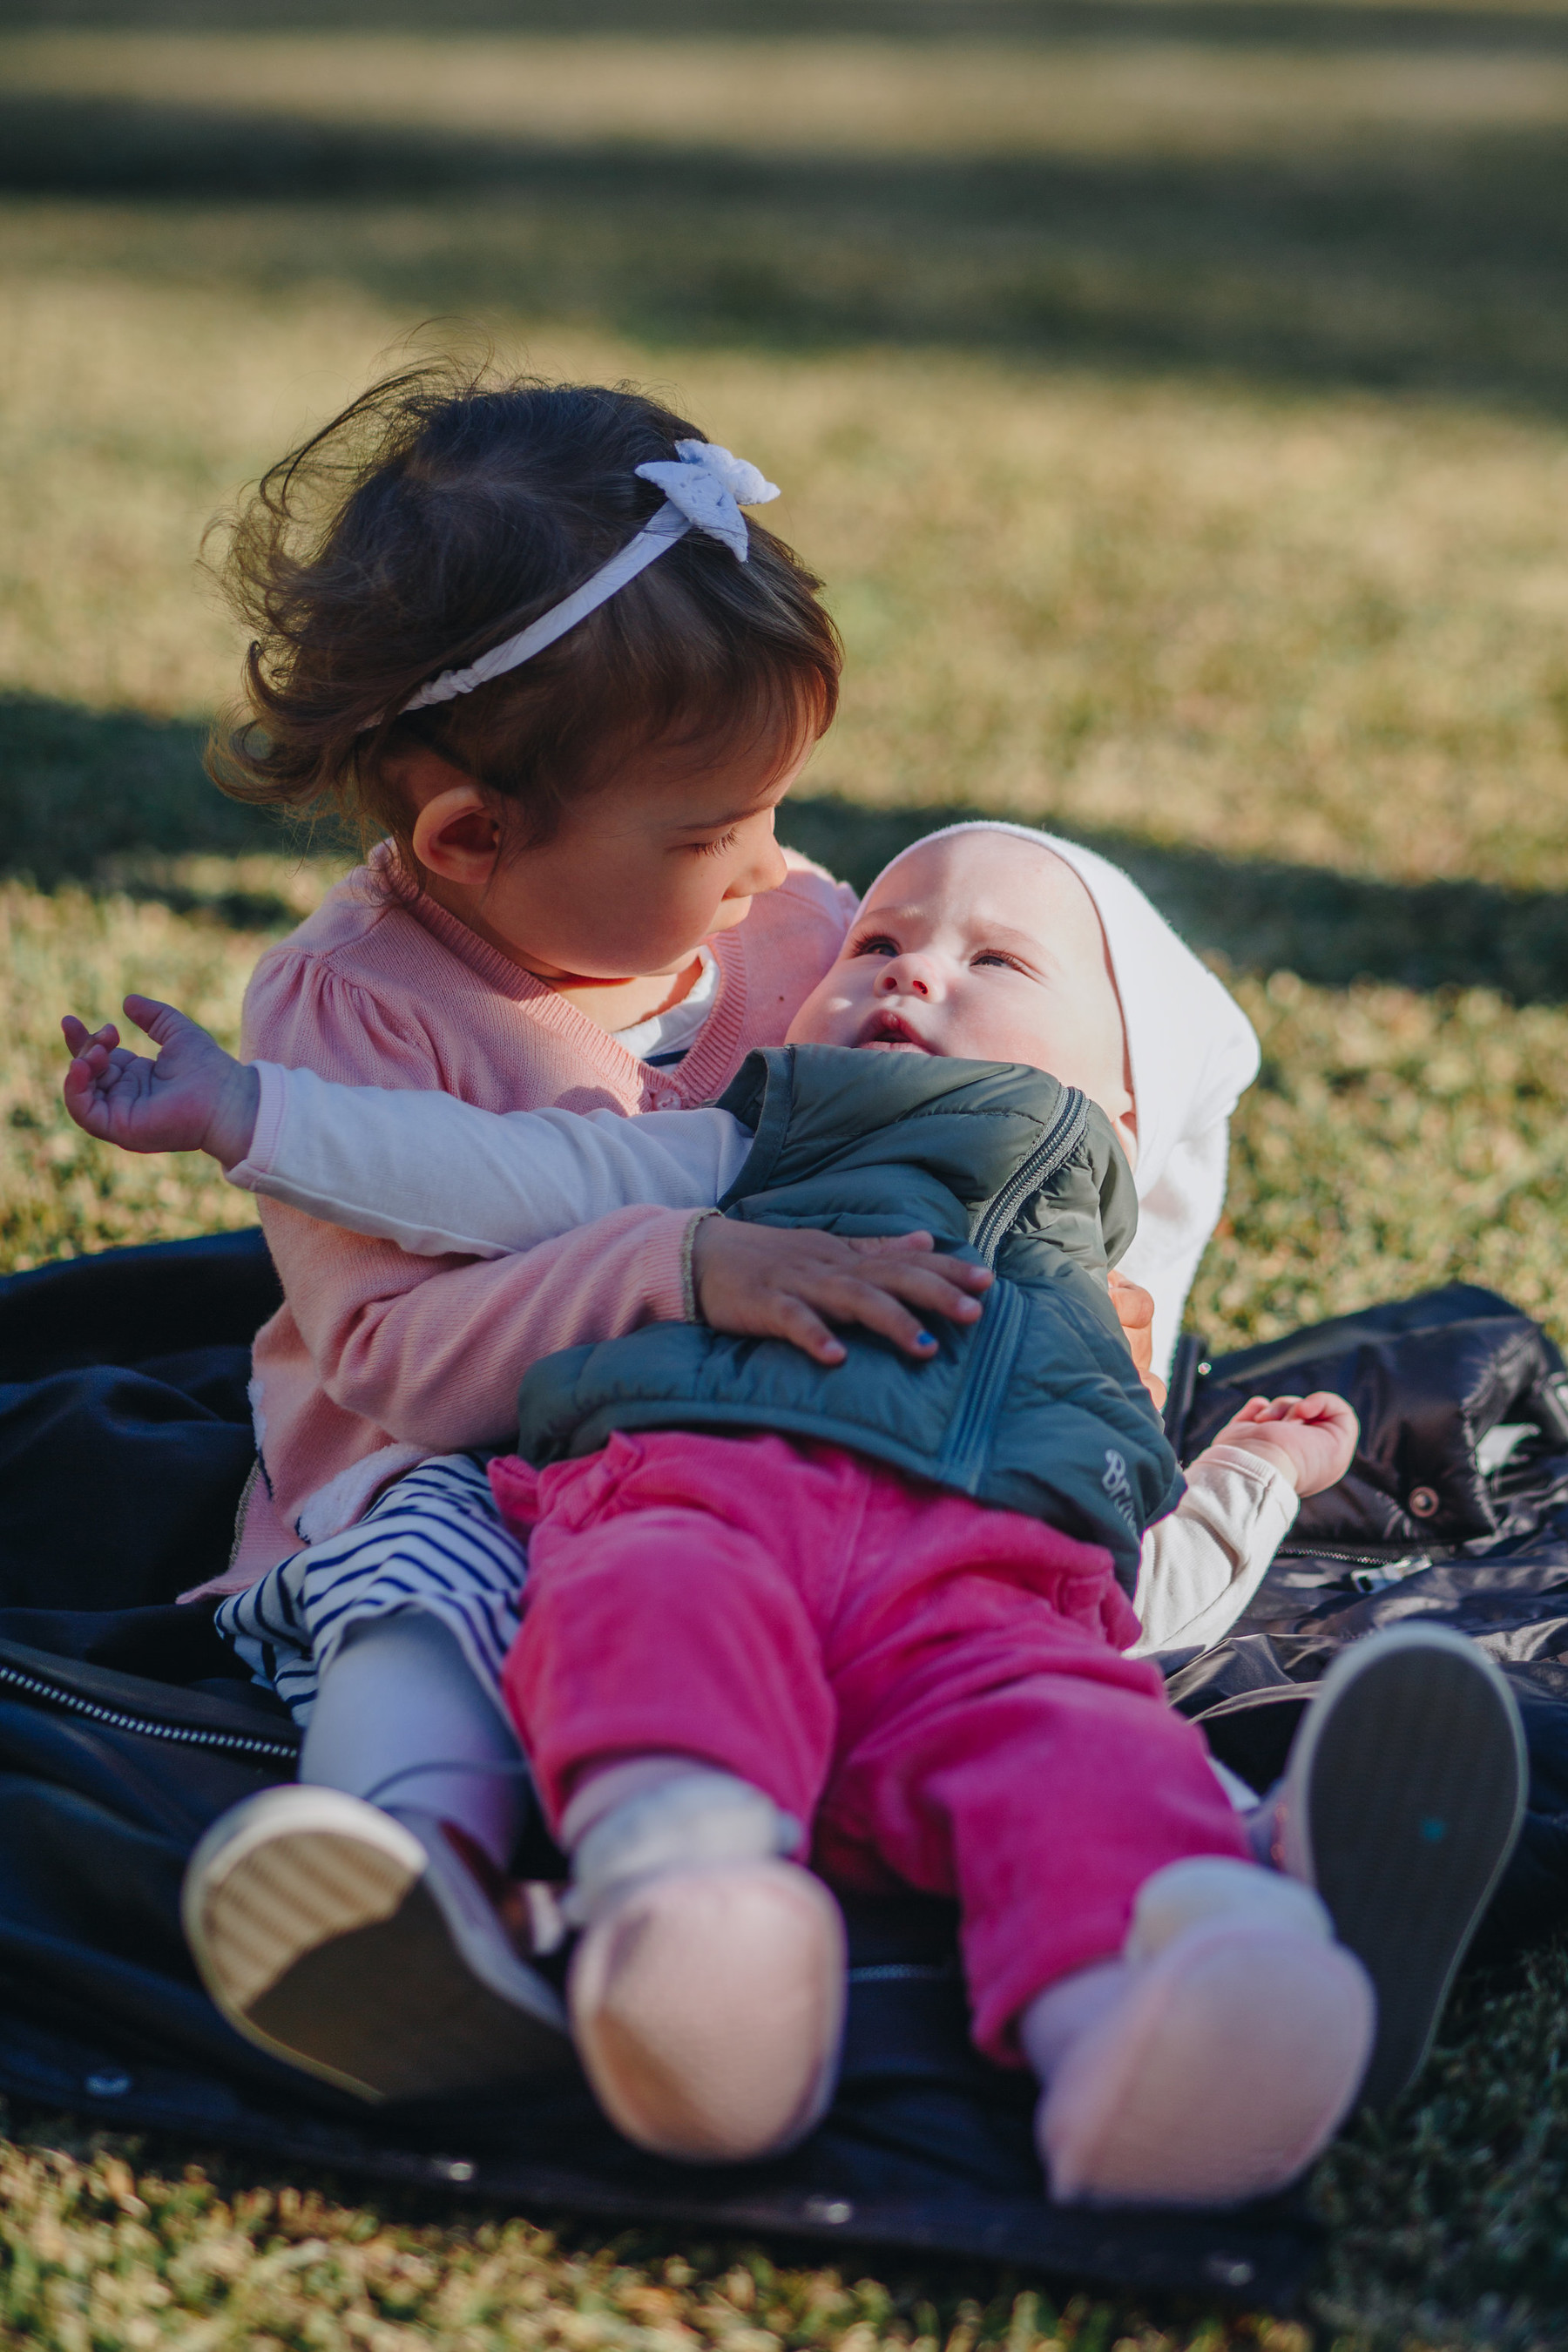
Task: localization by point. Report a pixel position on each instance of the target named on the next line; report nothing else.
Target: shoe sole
(323, 1932)
(1407, 1878)
(1226, 2071)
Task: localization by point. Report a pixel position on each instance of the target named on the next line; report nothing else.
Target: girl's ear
(456, 835)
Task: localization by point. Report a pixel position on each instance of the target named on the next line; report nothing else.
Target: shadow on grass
(1432, 255)
(80, 790)
(1329, 927)
(1283, 23)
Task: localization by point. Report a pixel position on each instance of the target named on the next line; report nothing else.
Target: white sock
(656, 1813)
(399, 1694)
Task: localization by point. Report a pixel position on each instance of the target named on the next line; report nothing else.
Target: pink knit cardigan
(378, 1359)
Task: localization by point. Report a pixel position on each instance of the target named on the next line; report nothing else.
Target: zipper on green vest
(966, 1448)
(1057, 1144)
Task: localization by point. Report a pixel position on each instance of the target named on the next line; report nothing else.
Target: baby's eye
(995, 957)
(875, 943)
(712, 848)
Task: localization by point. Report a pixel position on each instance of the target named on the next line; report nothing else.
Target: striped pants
(433, 1542)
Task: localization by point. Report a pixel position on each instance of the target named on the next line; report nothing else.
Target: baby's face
(989, 948)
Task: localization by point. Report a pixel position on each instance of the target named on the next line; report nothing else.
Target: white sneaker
(360, 1946)
(1227, 2062)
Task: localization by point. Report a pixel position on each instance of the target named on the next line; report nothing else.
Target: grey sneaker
(360, 1945)
(1401, 1804)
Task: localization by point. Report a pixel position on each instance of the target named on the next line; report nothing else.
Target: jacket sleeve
(441, 1177)
(1203, 1562)
(431, 1350)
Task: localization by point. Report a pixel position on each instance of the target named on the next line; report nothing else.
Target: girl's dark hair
(439, 514)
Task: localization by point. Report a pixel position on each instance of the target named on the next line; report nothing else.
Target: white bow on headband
(704, 490)
(710, 486)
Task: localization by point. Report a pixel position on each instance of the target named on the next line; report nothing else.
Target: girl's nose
(764, 871)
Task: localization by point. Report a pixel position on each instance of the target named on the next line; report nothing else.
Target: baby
(895, 1636)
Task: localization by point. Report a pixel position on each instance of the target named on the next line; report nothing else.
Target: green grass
(1172, 393)
(114, 2243)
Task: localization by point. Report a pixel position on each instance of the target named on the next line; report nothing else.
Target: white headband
(704, 490)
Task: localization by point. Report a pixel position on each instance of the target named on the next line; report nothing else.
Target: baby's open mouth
(892, 1035)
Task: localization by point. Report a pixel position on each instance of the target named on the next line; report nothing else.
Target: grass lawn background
(1172, 393)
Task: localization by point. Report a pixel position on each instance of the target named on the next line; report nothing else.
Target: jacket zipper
(1061, 1138)
(967, 1445)
(225, 1743)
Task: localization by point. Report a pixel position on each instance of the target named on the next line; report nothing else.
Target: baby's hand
(1311, 1439)
(193, 1098)
(772, 1281)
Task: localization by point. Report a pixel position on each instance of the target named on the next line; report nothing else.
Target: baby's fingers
(1323, 1404)
(1281, 1408)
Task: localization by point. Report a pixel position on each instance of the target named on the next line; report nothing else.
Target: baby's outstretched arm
(1310, 1440)
(1203, 1562)
(193, 1098)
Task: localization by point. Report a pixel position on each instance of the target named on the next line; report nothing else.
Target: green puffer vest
(1036, 1408)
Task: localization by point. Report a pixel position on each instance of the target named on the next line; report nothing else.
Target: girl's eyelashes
(712, 848)
(875, 943)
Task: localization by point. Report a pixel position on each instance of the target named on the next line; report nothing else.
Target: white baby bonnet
(1194, 1053)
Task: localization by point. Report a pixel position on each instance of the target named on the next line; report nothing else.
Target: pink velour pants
(935, 1687)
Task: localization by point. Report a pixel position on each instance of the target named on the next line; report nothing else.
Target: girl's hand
(193, 1098)
(774, 1282)
(1311, 1439)
(1135, 1313)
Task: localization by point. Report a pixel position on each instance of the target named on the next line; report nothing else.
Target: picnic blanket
(126, 1726)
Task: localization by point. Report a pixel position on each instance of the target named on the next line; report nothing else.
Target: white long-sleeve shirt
(439, 1177)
